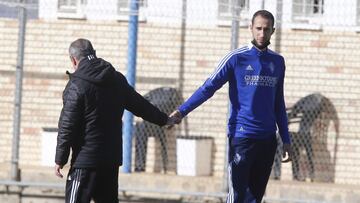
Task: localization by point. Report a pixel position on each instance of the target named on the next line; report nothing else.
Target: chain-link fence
(179, 43)
(163, 143)
(314, 153)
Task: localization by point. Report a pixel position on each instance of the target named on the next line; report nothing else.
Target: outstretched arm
(139, 106)
(211, 85)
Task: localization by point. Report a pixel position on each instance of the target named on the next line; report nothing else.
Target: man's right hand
(58, 171)
(174, 118)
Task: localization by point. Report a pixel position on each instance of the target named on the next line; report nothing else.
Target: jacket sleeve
(210, 86)
(69, 122)
(280, 110)
(139, 106)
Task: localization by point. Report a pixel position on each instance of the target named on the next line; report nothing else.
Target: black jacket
(91, 119)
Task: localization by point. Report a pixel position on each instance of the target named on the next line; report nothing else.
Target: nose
(261, 33)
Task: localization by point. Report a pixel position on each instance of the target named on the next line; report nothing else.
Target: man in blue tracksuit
(256, 79)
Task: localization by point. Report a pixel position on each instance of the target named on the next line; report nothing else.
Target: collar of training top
(258, 46)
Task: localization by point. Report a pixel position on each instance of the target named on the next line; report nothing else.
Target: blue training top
(256, 82)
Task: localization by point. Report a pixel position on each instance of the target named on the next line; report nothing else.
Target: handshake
(174, 118)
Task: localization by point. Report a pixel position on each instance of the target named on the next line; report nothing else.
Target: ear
(273, 31)
(73, 61)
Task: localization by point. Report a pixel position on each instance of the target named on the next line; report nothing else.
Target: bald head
(81, 48)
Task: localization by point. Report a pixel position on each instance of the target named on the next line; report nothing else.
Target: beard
(263, 46)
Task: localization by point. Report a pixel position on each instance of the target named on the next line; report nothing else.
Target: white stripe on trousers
(75, 185)
(230, 197)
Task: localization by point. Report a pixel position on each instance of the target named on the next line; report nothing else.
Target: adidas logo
(242, 129)
(249, 67)
(90, 57)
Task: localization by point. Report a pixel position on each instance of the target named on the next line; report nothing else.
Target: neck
(260, 47)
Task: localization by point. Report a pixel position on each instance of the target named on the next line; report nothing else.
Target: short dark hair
(81, 48)
(265, 14)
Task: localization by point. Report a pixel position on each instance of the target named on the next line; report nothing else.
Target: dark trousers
(99, 184)
(250, 163)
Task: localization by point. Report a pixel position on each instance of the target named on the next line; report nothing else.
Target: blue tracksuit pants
(250, 163)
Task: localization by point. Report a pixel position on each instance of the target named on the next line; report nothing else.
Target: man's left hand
(58, 171)
(287, 153)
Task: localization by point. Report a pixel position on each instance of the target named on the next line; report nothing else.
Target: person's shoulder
(276, 55)
(234, 54)
(271, 52)
(241, 50)
(75, 86)
(119, 79)
(74, 80)
(119, 75)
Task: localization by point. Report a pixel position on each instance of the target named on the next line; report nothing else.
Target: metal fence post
(182, 59)
(131, 76)
(15, 172)
(235, 23)
(278, 25)
(235, 4)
